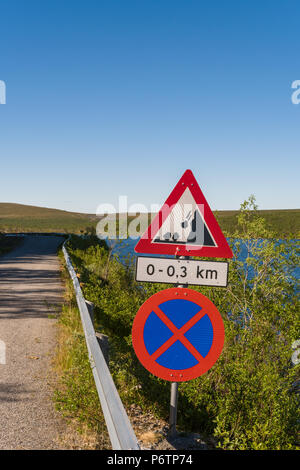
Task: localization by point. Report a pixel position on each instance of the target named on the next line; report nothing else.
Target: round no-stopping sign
(178, 334)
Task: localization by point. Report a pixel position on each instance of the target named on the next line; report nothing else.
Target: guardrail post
(90, 307)
(104, 345)
(101, 338)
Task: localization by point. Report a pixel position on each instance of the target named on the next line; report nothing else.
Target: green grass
(22, 218)
(76, 396)
(285, 222)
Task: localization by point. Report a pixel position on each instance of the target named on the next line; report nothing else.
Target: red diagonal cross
(178, 334)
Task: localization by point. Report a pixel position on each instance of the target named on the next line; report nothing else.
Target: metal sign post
(174, 387)
(173, 409)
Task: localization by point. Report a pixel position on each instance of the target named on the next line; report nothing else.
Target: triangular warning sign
(185, 225)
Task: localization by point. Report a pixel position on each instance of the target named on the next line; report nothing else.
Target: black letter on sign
(211, 272)
(199, 272)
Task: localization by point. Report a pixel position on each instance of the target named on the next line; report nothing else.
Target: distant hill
(285, 222)
(23, 218)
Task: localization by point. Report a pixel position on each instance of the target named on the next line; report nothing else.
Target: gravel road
(30, 291)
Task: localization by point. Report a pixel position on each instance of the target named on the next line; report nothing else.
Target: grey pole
(174, 390)
(173, 409)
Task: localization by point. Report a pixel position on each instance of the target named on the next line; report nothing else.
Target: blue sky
(109, 98)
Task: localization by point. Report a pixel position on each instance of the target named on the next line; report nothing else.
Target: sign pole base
(173, 409)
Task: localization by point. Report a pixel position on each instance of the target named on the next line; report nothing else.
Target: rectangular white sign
(182, 271)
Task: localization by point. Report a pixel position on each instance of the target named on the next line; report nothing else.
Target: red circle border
(138, 336)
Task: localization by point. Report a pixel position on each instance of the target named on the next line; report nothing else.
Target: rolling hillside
(285, 222)
(23, 218)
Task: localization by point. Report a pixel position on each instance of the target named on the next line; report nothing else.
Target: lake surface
(125, 248)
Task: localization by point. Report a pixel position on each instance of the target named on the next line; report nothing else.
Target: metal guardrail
(120, 431)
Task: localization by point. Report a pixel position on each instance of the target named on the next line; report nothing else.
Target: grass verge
(76, 396)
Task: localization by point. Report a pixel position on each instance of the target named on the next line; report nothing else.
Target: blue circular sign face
(178, 334)
(182, 313)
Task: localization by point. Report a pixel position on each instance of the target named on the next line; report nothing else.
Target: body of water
(125, 248)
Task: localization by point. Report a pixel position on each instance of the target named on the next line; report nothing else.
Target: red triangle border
(222, 250)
